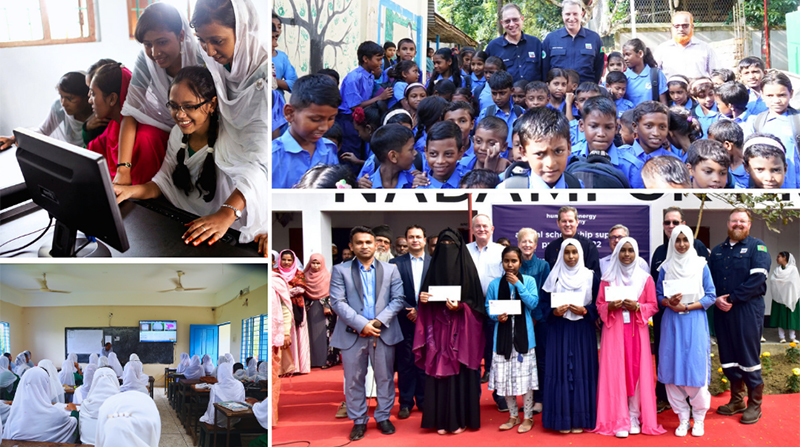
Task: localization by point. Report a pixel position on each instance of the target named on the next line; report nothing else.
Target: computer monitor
(74, 186)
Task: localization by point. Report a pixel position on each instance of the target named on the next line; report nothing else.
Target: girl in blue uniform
(445, 66)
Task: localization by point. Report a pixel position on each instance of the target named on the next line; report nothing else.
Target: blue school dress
(741, 179)
(290, 161)
(707, 120)
(477, 83)
(623, 105)
(575, 134)
(639, 87)
(756, 105)
(451, 183)
(399, 93)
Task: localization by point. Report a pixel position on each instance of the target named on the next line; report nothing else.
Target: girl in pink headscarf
(321, 320)
(290, 271)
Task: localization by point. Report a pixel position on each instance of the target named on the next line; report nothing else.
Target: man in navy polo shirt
(521, 52)
(574, 46)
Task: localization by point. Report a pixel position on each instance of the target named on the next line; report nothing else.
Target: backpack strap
(761, 119)
(491, 110)
(654, 72)
(518, 111)
(516, 176)
(572, 181)
(794, 116)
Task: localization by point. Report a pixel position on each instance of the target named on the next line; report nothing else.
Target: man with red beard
(739, 267)
(684, 54)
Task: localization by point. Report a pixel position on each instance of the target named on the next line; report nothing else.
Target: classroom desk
(10, 443)
(68, 394)
(243, 415)
(167, 372)
(173, 389)
(183, 385)
(198, 400)
(152, 382)
(150, 234)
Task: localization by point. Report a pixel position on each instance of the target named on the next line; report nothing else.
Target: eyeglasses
(615, 238)
(682, 25)
(672, 222)
(185, 108)
(510, 21)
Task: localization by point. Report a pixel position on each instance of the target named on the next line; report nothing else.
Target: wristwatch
(127, 165)
(236, 212)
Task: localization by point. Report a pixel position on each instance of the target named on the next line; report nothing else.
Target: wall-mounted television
(158, 331)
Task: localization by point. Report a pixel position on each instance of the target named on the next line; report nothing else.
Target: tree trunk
(499, 25)
(316, 50)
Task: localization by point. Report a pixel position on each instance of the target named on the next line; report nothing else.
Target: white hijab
(102, 362)
(106, 385)
(208, 365)
(260, 410)
(183, 363)
(34, 417)
(67, 370)
(262, 372)
(20, 365)
(230, 358)
(564, 278)
(226, 389)
(148, 92)
(7, 377)
(93, 358)
(56, 390)
(194, 370)
(686, 267)
(134, 358)
(30, 359)
(130, 416)
(222, 359)
(83, 391)
(131, 377)
(619, 274)
(114, 363)
(784, 284)
(252, 370)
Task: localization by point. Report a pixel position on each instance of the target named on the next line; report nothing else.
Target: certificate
(500, 307)
(444, 293)
(674, 287)
(558, 299)
(620, 293)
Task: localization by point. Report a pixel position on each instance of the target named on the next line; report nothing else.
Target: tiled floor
(172, 433)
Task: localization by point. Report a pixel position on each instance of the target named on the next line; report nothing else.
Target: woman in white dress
(104, 385)
(82, 392)
(227, 388)
(130, 416)
(195, 370)
(34, 417)
(56, 390)
(114, 363)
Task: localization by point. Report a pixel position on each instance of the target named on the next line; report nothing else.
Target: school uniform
(741, 179)
(399, 89)
(356, 88)
(469, 158)
(278, 118)
(638, 153)
(290, 161)
(509, 118)
(477, 83)
(485, 99)
(781, 127)
(370, 166)
(706, 120)
(679, 153)
(639, 87)
(404, 181)
(755, 104)
(623, 105)
(284, 70)
(437, 77)
(451, 183)
(623, 160)
(576, 136)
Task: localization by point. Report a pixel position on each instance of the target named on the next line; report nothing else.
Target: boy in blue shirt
(731, 135)
(463, 116)
(651, 127)
(599, 124)
(574, 103)
(502, 85)
(443, 150)
(393, 146)
(731, 99)
(702, 91)
(311, 111)
(544, 135)
(617, 85)
(751, 71)
(356, 91)
(537, 94)
(708, 164)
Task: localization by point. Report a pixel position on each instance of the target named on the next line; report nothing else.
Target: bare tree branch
(334, 14)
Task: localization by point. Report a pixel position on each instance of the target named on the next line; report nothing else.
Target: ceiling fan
(180, 287)
(44, 288)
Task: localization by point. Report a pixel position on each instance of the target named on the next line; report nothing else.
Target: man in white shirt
(616, 233)
(685, 54)
(488, 259)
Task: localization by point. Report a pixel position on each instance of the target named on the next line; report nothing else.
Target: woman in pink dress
(289, 269)
(626, 393)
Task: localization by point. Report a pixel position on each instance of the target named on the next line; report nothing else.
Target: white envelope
(444, 293)
(674, 287)
(619, 293)
(558, 299)
(500, 307)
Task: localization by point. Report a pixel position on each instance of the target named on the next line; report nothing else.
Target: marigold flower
(719, 370)
(724, 380)
(766, 354)
(793, 344)
(796, 371)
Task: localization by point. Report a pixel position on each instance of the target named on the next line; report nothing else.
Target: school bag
(596, 171)
(516, 177)
(654, 72)
(761, 120)
(492, 110)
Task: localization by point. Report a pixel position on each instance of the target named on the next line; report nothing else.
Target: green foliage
(771, 208)
(793, 383)
(776, 12)
(793, 353)
(478, 18)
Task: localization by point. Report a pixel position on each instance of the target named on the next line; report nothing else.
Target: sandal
(537, 408)
(460, 430)
(564, 432)
(512, 422)
(441, 432)
(576, 430)
(526, 426)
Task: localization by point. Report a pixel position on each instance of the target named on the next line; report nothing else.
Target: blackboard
(128, 343)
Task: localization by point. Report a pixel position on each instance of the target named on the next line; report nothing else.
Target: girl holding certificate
(514, 360)
(685, 290)
(570, 378)
(626, 392)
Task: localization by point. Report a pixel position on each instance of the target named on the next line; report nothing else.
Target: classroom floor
(172, 432)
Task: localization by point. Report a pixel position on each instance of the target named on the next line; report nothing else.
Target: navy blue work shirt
(582, 53)
(523, 60)
(740, 270)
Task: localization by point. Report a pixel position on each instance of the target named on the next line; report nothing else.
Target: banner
(594, 223)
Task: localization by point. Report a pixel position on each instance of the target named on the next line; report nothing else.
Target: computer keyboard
(231, 237)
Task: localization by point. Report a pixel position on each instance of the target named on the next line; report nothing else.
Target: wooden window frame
(47, 40)
(134, 9)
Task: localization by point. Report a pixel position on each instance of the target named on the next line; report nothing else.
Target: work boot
(736, 405)
(753, 412)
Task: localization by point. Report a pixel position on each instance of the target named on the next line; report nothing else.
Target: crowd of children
(638, 129)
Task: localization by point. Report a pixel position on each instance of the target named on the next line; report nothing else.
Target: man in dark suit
(366, 295)
(568, 224)
(413, 266)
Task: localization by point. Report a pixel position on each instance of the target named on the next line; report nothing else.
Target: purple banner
(595, 221)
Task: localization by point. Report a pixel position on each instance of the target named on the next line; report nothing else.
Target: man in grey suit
(366, 295)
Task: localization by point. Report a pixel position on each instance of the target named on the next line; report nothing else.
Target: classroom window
(5, 340)
(135, 8)
(46, 22)
(254, 337)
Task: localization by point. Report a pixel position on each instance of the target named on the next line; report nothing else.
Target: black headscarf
(451, 265)
(504, 335)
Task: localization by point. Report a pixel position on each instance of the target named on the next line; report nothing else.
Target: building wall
(234, 312)
(12, 314)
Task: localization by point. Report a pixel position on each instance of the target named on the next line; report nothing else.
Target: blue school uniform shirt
(623, 105)
(284, 70)
(278, 119)
(290, 161)
(755, 104)
(438, 77)
(536, 182)
(623, 160)
(399, 93)
(679, 153)
(575, 135)
(468, 160)
(477, 83)
(356, 88)
(451, 183)
(706, 120)
(370, 166)
(741, 179)
(781, 127)
(485, 99)
(639, 87)
(637, 152)
(509, 118)
(404, 181)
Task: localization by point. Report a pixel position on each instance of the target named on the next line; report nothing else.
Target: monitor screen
(158, 331)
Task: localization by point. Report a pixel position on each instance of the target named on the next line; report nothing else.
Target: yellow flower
(651, 323)
(793, 344)
(719, 370)
(712, 355)
(766, 354)
(796, 371)
(724, 380)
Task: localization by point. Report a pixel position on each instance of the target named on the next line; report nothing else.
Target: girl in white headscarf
(226, 389)
(130, 416)
(783, 287)
(67, 374)
(252, 368)
(570, 399)
(104, 385)
(82, 392)
(8, 380)
(260, 411)
(195, 369)
(684, 361)
(230, 358)
(56, 390)
(29, 359)
(93, 358)
(208, 365)
(184, 362)
(241, 373)
(102, 362)
(21, 364)
(131, 377)
(262, 372)
(626, 394)
(114, 363)
(222, 359)
(34, 417)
